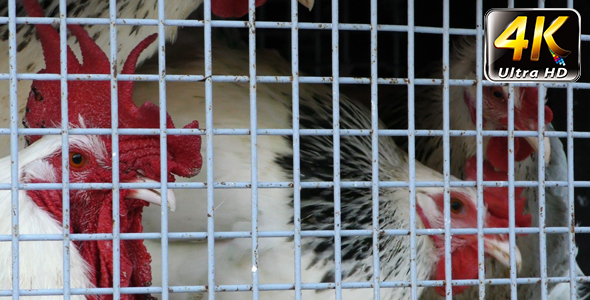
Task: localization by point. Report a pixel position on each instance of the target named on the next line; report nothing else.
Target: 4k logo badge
(532, 45)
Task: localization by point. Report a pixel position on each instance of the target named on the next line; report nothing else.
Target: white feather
(41, 262)
(232, 162)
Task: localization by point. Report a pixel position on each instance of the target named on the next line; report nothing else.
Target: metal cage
(395, 44)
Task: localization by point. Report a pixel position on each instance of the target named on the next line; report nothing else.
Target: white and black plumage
(188, 260)
(428, 102)
(30, 55)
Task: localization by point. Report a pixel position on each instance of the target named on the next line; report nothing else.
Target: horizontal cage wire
(329, 160)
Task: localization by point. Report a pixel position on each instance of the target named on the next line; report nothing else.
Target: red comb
(496, 198)
(525, 119)
(92, 99)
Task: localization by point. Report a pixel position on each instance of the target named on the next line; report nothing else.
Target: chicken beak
(307, 3)
(500, 250)
(534, 142)
(151, 195)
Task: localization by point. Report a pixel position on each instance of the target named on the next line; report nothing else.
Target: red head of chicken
(464, 257)
(495, 113)
(91, 161)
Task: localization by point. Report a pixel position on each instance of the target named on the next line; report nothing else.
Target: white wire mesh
(340, 75)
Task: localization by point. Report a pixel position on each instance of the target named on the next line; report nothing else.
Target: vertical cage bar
(446, 152)
(511, 219)
(209, 136)
(479, 145)
(412, 153)
(14, 150)
(541, 179)
(375, 153)
(163, 144)
(570, 187)
(115, 151)
(253, 145)
(570, 192)
(336, 128)
(296, 146)
(65, 157)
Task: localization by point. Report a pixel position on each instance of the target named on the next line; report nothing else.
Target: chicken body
(429, 150)
(557, 245)
(232, 207)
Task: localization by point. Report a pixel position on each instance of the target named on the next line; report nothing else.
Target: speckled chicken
(232, 207)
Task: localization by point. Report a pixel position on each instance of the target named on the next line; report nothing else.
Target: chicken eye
(497, 93)
(456, 205)
(77, 160)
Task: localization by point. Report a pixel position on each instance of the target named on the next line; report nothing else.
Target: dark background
(315, 59)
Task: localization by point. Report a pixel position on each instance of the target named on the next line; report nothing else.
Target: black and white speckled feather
(317, 205)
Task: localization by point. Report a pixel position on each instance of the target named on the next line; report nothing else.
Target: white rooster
(188, 259)
(429, 150)
(91, 211)
(40, 212)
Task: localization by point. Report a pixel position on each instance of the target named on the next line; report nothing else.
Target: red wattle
(496, 198)
(464, 266)
(135, 270)
(232, 8)
(497, 152)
